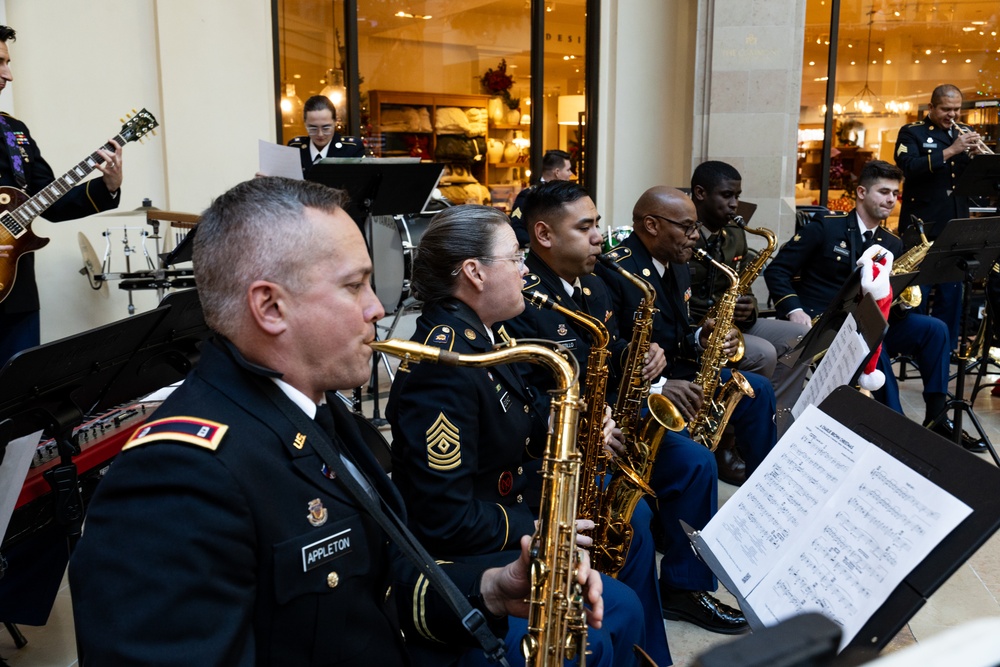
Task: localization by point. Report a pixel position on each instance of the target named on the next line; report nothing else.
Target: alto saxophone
(641, 436)
(590, 430)
(715, 411)
(910, 261)
(557, 624)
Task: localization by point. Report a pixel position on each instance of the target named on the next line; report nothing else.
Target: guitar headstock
(138, 125)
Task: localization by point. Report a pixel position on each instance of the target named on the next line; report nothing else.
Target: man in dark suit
(23, 167)
(565, 242)
(233, 529)
(323, 140)
(810, 269)
(658, 251)
(933, 154)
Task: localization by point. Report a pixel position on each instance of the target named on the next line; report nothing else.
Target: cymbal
(91, 265)
(135, 211)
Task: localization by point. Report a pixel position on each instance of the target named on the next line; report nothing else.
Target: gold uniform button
(526, 409)
(520, 470)
(332, 579)
(520, 498)
(527, 441)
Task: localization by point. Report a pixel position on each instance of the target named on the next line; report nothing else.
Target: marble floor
(972, 593)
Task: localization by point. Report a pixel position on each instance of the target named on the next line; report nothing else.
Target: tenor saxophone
(715, 411)
(641, 436)
(557, 624)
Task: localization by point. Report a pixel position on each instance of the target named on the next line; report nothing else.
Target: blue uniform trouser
(946, 306)
(753, 420)
(685, 481)
(610, 646)
(639, 574)
(925, 340)
(18, 332)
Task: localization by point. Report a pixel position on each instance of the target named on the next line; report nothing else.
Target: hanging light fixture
(335, 89)
(865, 103)
(291, 105)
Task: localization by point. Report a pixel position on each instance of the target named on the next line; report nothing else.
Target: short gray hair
(256, 231)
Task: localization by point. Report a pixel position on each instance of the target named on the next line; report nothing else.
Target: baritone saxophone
(557, 623)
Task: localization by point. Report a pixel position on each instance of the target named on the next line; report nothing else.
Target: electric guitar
(17, 209)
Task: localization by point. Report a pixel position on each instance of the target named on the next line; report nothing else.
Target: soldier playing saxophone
(715, 189)
(565, 244)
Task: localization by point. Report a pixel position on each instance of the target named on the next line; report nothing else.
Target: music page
(829, 523)
(847, 351)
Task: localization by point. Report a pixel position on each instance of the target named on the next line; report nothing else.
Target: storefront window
(448, 81)
(889, 57)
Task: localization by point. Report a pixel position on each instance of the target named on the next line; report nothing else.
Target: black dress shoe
(947, 430)
(732, 467)
(704, 610)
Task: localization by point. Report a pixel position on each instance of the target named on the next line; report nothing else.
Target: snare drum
(393, 240)
(614, 236)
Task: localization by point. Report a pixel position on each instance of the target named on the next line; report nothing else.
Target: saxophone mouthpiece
(538, 300)
(739, 221)
(701, 254)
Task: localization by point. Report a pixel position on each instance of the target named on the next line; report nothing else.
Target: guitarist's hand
(112, 167)
(4, 249)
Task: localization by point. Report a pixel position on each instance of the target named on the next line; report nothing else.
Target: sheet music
(16, 463)
(829, 523)
(847, 351)
(278, 160)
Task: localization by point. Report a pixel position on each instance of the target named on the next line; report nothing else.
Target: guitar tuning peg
(121, 120)
(153, 132)
(133, 110)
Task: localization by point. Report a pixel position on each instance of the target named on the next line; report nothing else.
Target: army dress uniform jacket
(338, 147)
(83, 200)
(708, 284)
(459, 436)
(671, 324)
(808, 271)
(219, 537)
(550, 325)
(929, 179)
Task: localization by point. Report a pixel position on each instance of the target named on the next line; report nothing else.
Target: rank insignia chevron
(444, 445)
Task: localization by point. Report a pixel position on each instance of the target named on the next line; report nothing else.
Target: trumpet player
(933, 153)
(562, 221)
(822, 257)
(462, 436)
(715, 189)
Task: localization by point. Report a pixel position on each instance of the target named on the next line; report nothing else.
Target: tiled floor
(973, 592)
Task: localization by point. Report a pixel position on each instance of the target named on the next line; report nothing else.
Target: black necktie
(578, 297)
(325, 420)
(319, 156)
(867, 236)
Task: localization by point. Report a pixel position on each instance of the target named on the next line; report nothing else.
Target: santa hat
(876, 265)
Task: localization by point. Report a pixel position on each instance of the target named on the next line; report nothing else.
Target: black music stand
(52, 387)
(980, 178)
(963, 475)
(964, 252)
(378, 189)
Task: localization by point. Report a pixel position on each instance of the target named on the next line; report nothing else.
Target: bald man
(666, 231)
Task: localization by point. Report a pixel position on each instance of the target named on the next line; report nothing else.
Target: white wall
(204, 69)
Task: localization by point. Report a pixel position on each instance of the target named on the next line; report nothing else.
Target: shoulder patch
(299, 142)
(901, 149)
(444, 445)
(191, 430)
(530, 281)
(620, 253)
(442, 336)
(516, 213)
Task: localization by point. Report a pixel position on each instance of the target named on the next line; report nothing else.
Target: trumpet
(980, 144)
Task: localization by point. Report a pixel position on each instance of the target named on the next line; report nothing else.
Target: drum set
(393, 240)
(156, 272)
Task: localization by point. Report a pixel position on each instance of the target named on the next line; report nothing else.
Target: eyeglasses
(518, 259)
(688, 230)
(325, 129)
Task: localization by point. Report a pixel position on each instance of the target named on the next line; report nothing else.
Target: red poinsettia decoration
(497, 81)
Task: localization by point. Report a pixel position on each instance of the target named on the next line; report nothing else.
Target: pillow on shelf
(451, 120)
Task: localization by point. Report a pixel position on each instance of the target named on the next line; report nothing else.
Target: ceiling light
(927, 52)
(944, 61)
(888, 62)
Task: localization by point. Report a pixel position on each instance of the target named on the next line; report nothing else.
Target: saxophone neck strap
(472, 619)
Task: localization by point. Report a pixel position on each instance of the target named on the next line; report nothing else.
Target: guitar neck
(51, 193)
